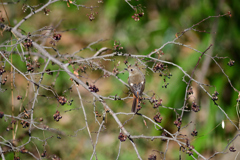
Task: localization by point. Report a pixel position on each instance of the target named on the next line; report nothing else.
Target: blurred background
(113, 22)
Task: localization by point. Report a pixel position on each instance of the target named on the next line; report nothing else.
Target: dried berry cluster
(158, 103)
(232, 149)
(26, 114)
(97, 114)
(16, 158)
(164, 134)
(190, 91)
(83, 68)
(190, 148)
(117, 46)
(2, 19)
(70, 102)
(28, 43)
(194, 132)
(49, 72)
(57, 37)
(231, 63)
(153, 99)
(1, 114)
(157, 118)
(93, 88)
(122, 137)
(30, 67)
(238, 100)
(215, 96)
(25, 124)
(13, 121)
(46, 11)
(106, 75)
(195, 107)
(166, 75)
(4, 81)
(189, 152)
(139, 108)
(152, 157)
(57, 116)
(178, 123)
(56, 158)
(91, 16)
(2, 70)
(23, 150)
(159, 66)
(137, 16)
(115, 71)
(19, 97)
(62, 100)
(139, 13)
(9, 128)
(43, 154)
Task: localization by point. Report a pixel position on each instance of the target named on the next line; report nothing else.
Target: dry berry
(93, 88)
(215, 96)
(122, 137)
(97, 114)
(139, 108)
(159, 66)
(232, 149)
(115, 71)
(152, 157)
(57, 116)
(46, 11)
(25, 124)
(2, 70)
(16, 158)
(190, 153)
(159, 103)
(55, 158)
(91, 16)
(43, 154)
(190, 91)
(28, 43)
(49, 72)
(2, 19)
(57, 37)
(13, 121)
(194, 132)
(4, 81)
(30, 67)
(117, 46)
(19, 97)
(191, 148)
(164, 134)
(231, 63)
(157, 118)
(1, 114)
(178, 123)
(195, 107)
(62, 100)
(23, 150)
